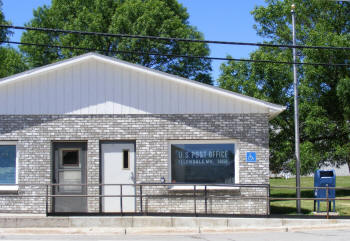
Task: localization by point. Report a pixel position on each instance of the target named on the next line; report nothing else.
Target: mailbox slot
(326, 174)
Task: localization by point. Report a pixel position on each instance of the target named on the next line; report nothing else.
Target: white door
(118, 167)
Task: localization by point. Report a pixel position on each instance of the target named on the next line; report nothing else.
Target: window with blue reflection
(7, 164)
(203, 163)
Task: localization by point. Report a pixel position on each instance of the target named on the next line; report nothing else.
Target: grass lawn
(289, 207)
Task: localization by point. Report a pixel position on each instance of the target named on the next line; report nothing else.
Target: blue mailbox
(324, 179)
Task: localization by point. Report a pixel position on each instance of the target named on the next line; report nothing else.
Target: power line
(173, 39)
(171, 55)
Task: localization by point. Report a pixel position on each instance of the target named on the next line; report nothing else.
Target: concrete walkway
(158, 225)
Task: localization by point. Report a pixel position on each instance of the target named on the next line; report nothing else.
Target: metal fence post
(205, 200)
(47, 199)
(121, 199)
(141, 199)
(327, 190)
(194, 198)
(268, 200)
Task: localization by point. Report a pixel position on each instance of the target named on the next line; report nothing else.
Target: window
(125, 159)
(8, 163)
(70, 177)
(212, 162)
(70, 157)
(69, 171)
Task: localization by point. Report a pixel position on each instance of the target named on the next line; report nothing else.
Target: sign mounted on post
(251, 157)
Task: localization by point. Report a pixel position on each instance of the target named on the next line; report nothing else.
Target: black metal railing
(199, 193)
(171, 191)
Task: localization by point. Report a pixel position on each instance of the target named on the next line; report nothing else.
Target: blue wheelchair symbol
(251, 157)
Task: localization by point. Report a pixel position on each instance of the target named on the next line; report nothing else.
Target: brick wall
(35, 134)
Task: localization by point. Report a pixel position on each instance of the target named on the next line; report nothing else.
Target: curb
(152, 231)
(159, 225)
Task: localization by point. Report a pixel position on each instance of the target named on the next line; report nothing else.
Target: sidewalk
(39, 224)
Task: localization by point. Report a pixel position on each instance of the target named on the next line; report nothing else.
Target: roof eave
(274, 112)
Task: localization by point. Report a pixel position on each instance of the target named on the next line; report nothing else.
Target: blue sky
(228, 20)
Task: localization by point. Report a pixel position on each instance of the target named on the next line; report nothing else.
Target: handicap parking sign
(251, 157)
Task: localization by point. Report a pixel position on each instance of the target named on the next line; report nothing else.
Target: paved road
(314, 235)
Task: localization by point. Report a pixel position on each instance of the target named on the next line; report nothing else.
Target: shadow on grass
(287, 210)
(342, 193)
(305, 193)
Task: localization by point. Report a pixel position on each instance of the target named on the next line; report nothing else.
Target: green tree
(11, 61)
(166, 18)
(3, 31)
(324, 91)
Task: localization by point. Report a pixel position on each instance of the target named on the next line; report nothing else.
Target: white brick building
(94, 120)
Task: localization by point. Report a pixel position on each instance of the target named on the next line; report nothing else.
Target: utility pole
(296, 114)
